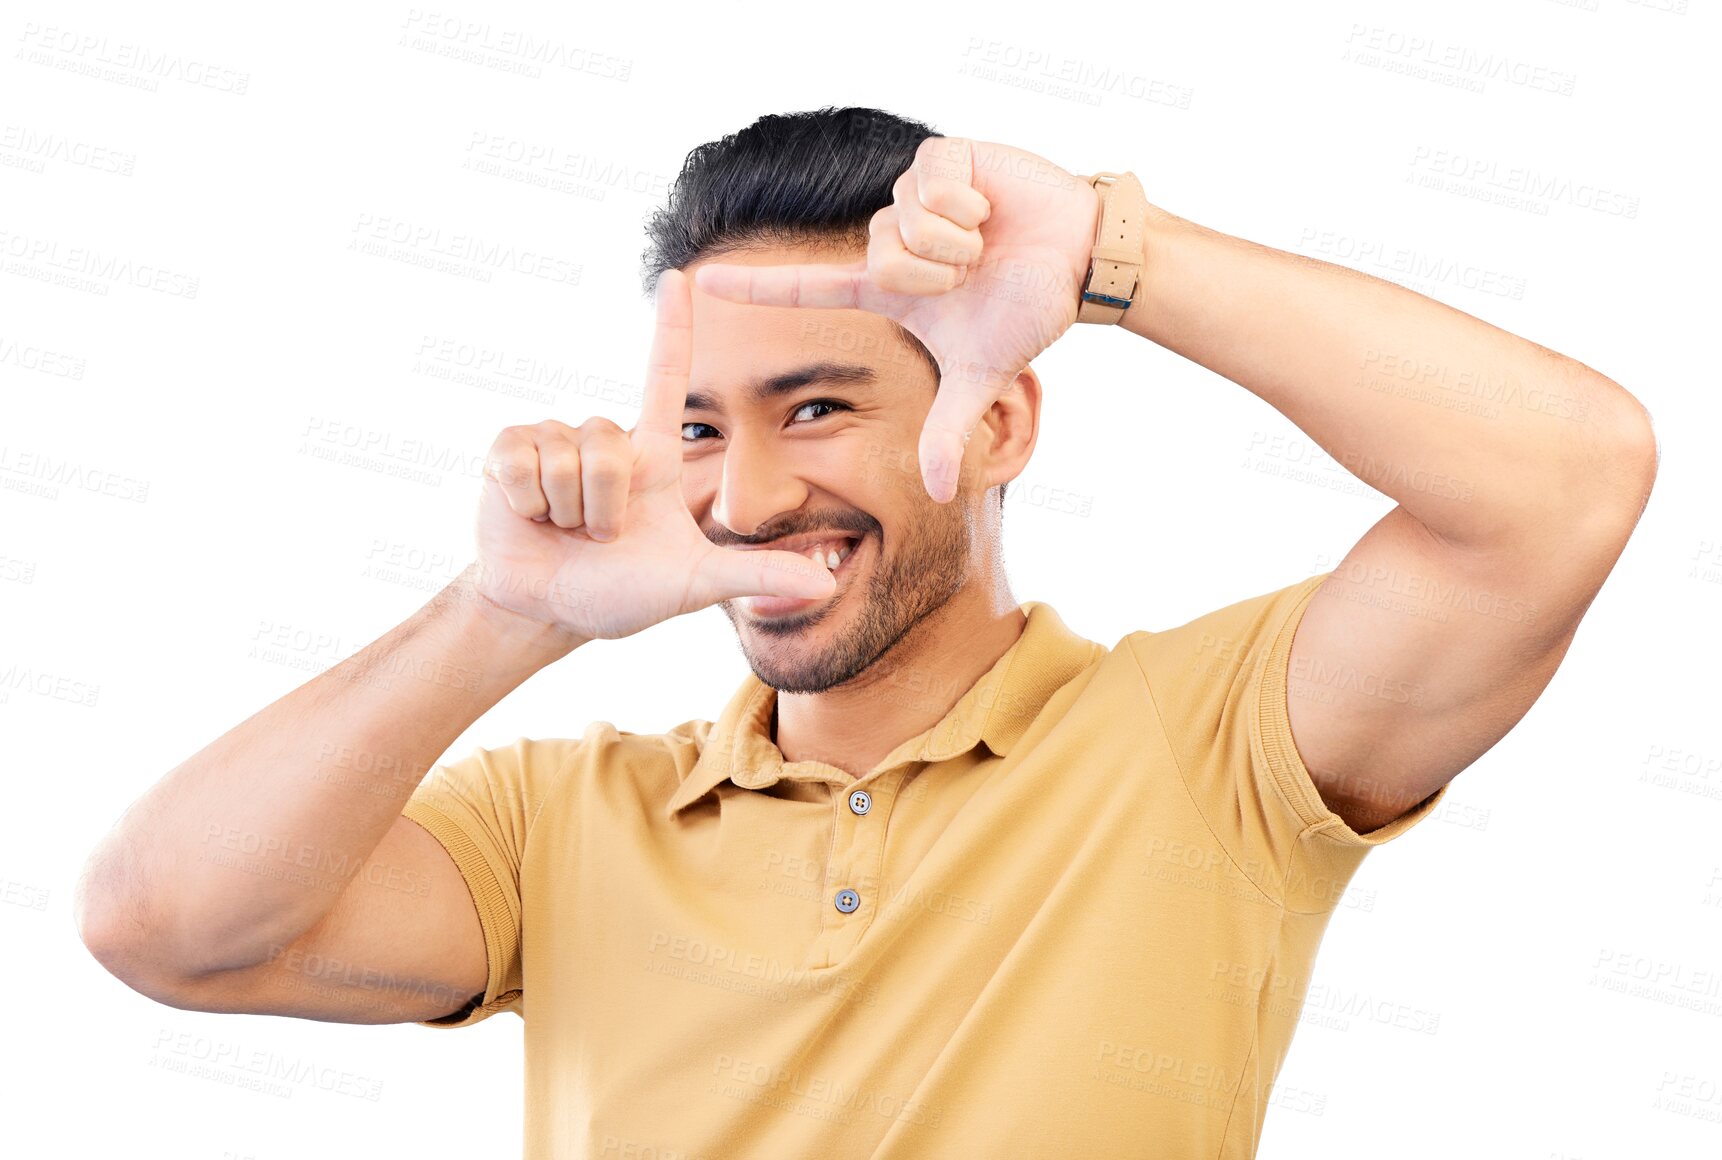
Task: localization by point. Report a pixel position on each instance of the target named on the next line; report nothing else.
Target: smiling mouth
(832, 552)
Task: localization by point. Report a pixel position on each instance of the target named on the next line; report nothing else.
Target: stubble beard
(902, 590)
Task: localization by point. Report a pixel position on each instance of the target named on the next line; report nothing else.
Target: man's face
(827, 452)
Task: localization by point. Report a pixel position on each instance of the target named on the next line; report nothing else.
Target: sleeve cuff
(496, 918)
(1284, 763)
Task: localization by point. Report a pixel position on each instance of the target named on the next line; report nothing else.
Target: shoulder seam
(1183, 780)
(562, 780)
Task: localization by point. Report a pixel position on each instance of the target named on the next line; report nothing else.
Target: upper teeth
(830, 555)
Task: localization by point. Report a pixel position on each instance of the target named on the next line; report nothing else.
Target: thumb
(967, 388)
(726, 573)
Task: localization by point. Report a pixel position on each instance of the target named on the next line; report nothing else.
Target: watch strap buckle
(1119, 251)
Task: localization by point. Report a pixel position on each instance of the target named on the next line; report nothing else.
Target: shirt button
(860, 801)
(847, 901)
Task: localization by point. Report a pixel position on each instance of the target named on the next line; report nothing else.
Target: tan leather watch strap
(1115, 267)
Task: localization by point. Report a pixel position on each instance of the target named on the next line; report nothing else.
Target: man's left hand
(980, 256)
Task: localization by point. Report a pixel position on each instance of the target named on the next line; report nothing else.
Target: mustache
(851, 522)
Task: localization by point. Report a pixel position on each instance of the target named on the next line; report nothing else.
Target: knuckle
(917, 238)
(940, 155)
(531, 504)
(606, 470)
(939, 196)
(932, 148)
(950, 200)
(559, 463)
(512, 469)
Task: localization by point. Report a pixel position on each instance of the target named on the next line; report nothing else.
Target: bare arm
(264, 874)
(285, 834)
(1519, 474)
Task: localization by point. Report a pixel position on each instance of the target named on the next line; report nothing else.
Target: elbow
(149, 946)
(130, 957)
(110, 930)
(97, 915)
(116, 928)
(1642, 449)
(1630, 464)
(1611, 481)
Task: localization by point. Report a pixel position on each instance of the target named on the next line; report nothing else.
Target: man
(943, 878)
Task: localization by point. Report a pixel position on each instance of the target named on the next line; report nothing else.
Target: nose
(755, 485)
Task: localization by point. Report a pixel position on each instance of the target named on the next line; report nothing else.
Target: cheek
(887, 470)
(699, 483)
(839, 468)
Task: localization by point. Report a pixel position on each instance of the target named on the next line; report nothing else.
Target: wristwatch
(1115, 267)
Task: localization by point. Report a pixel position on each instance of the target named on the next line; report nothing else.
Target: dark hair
(789, 179)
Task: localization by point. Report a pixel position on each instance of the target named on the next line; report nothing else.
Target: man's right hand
(585, 528)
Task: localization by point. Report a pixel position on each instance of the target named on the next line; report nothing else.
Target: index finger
(672, 357)
(821, 286)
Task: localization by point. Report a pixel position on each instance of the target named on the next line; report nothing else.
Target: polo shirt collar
(997, 710)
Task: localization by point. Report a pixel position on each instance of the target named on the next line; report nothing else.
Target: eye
(692, 432)
(832, 403)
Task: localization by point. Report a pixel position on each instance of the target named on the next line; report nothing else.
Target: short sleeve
(1219, 685)
(481, 808)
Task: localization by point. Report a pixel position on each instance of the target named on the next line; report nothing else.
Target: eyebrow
(788, 382)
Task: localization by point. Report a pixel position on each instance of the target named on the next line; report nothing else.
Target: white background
(1561, 918)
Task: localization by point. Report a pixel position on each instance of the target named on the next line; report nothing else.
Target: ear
(1004, 439)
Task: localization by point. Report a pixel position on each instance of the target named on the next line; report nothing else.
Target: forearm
(249, 843)
(1484, 437)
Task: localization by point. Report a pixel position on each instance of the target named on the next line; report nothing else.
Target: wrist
(501, 631)
(1089, 231)
(1151, 313)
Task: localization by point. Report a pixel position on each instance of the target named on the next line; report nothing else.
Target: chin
(807, 652)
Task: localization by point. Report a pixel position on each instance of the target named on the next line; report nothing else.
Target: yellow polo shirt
(1076, 917)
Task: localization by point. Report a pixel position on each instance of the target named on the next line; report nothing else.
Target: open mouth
(834, 553)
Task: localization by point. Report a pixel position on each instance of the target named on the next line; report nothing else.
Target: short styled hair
(813, 178)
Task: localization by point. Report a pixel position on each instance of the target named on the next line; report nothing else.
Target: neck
(904, 692)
